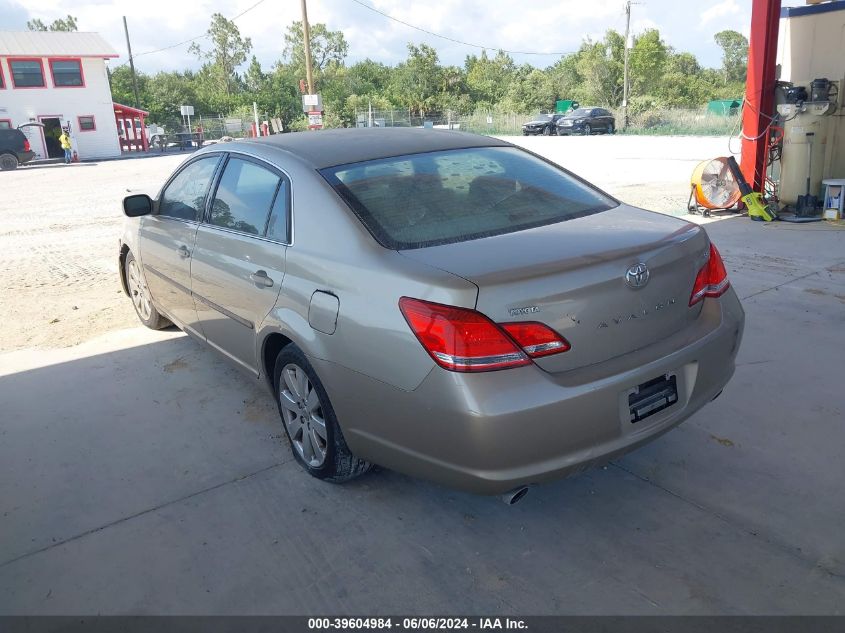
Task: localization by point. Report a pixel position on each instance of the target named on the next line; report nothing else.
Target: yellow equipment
(758, 208)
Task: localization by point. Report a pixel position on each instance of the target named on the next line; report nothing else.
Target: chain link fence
(650, 122)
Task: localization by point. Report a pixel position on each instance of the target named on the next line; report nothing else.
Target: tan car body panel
(485, 432)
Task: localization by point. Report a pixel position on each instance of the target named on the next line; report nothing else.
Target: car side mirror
(137, 205)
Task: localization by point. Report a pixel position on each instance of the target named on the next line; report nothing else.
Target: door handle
(260, 278)
(183, 251)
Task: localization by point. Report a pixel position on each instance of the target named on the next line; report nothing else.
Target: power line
(451, 39)
(182, 43)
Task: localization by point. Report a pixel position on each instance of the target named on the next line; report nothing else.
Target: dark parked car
(14, 149)
(544, 124)
(586, 121)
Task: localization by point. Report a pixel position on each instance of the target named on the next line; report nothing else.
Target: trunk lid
(571, 276)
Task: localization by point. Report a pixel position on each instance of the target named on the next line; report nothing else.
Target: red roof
(119, 108)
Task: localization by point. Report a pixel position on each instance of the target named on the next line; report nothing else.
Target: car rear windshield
(435, 198)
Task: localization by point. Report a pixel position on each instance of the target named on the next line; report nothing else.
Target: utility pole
(625, 77)
(132, 64)
(306, 40)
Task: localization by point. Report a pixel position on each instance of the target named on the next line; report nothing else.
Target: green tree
(417, 83)
(62, 24)
(121, 86)
(647, 63)
(531, 90)
(228, 51)
(564, 78)
(600, 68)
(488, 79)
(368, 77)
(327, 47)
(734, 47)
(167, 92)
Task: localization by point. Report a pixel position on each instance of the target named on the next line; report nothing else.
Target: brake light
(26, 146)
(712, 279)
(459, 339)
(536, 339)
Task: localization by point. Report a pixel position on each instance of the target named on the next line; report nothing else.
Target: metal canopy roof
(54, 44)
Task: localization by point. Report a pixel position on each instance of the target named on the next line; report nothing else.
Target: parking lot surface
(140, 473)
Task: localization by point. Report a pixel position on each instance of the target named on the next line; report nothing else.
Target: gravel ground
(59, 225)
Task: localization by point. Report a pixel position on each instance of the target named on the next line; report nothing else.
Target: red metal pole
(759, 90)
(144, 141)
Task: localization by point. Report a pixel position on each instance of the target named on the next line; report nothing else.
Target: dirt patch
(175, 365)
(722, 440)
(58, 253)
(260, 409)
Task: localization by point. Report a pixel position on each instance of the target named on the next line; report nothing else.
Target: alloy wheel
(303, 415)
(138, 291)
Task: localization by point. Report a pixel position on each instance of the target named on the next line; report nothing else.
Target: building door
(52, 132)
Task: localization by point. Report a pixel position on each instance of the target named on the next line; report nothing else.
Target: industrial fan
(713, 186)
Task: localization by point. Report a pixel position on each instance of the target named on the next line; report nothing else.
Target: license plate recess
(652, 397)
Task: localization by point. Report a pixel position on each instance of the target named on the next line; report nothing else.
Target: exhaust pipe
(514, 496)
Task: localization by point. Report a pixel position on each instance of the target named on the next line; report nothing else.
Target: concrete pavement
(140, 474)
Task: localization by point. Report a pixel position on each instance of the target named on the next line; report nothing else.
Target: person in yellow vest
(64, 139)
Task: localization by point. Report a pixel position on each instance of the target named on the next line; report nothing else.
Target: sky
(550, 27)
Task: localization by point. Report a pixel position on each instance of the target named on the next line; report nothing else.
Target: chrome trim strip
(161, 275)
(223, 311)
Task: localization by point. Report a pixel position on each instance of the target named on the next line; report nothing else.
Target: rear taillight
(536, 339)
(460, 339)
(712, 279)
(26, 146)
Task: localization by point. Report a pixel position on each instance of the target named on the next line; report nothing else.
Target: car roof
(328, 148)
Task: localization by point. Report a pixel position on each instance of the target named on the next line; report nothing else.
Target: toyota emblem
(637, 275)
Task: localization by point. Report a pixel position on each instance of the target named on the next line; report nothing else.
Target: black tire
(8, 162)
(154, 320)
(339, 464)
(547, 131)
(610, 129)
(587, 129)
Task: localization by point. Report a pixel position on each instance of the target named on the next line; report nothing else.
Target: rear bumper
(488, 433)
(25, 157)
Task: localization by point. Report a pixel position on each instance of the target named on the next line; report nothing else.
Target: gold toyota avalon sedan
(439, 303)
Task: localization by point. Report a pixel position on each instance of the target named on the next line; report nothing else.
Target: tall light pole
(306, 40)
(625, 76)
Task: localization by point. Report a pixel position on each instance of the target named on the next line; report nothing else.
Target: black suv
(586, 121)
(14, 149)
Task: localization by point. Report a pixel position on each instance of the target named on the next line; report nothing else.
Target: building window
(5, 124)
(2, 78)
(67, 73)
(27, 73)
(86, 123)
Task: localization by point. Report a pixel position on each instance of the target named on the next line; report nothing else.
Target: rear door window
(244, 197)
(457, 195)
